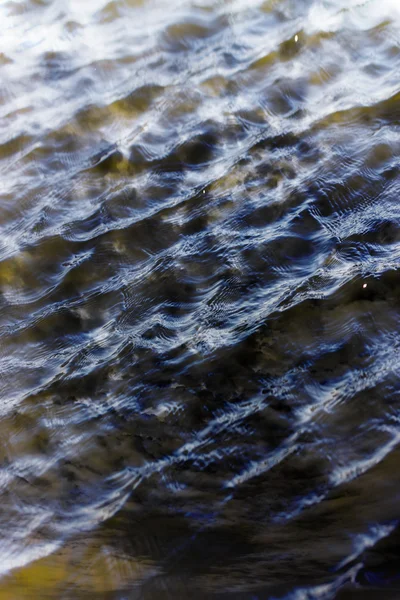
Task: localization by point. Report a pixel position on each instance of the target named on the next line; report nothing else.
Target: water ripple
(199, 325)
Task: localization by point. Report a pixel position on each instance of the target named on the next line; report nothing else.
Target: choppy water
(199, 277)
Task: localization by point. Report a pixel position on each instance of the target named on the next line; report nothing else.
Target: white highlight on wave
(326, 591)
(349, 472)
(367, 540)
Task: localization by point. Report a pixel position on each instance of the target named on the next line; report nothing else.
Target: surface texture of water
(199, 290)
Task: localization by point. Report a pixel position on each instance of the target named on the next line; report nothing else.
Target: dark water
(199, 288)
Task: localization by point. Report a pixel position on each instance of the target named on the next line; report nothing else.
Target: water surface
(199, 291)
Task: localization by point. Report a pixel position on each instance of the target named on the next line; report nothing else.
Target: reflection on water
(199, 254)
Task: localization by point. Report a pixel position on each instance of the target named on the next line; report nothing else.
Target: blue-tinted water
(199, 290)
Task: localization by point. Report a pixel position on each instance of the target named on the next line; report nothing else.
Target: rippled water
(199, 277)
